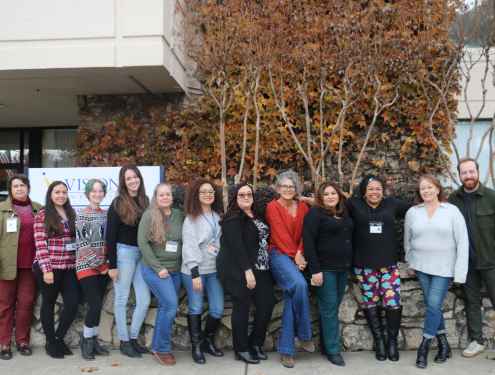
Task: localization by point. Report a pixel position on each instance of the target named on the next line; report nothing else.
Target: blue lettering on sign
(105, 181)
(69, 185)
(116, 185)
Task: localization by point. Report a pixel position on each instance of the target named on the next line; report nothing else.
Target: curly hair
(366, 180)
(289, 175)
(192, 205)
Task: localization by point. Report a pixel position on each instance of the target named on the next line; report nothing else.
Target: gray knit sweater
(197, 236)
(438, 246)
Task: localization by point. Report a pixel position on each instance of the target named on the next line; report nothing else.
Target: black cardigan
(239, 248)
(327, 241)
(375, 250)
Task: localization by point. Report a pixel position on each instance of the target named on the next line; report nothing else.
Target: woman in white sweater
(201, 234)
(437, 250)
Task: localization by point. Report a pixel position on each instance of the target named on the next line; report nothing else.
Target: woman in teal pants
(327, 242)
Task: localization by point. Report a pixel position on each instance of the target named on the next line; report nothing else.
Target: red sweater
(285, 229)
(25, 248)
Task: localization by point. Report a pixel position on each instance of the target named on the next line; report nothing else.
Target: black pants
(264, 299)
(64, 282)
(472, 295)
(94, 288)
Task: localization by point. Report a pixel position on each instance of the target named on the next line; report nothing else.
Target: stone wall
(355, 334)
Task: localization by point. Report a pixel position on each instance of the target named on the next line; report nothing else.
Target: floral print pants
(376, 283)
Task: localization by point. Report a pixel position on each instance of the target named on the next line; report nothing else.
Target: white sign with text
(76, 179)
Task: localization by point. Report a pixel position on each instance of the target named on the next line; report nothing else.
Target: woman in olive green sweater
(160, 241)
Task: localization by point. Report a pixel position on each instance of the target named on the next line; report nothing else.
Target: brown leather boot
(165, 359)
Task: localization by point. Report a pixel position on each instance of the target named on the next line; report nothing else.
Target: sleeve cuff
(195, 272)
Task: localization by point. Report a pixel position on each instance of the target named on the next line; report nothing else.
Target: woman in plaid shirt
(55, 266)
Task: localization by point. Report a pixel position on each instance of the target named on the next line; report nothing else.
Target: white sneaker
(473, 349)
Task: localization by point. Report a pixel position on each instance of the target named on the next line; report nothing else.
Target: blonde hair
(158, 224)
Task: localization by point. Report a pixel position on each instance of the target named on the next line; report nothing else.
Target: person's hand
(411, 272)
(456, 283)
(197, 284)
(251, 281)
(48, 278)
(104, 272)
(300, 261)
(307, 200)
(114, 274)
(318, 279)
(163, 274)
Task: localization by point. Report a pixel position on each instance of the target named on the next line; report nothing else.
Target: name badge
(70, 246)
(376, 227)
(213, 250)
(171, 246)
(12, 225)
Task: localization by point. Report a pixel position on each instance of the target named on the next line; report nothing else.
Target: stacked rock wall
(355, 334)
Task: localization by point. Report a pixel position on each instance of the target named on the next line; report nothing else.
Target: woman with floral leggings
(375, 259)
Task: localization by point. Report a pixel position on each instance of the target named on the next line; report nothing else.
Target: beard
(470, 183)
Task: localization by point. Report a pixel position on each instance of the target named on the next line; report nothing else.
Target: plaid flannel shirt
(51, 252)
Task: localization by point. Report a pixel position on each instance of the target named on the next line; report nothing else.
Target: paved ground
(361, 363)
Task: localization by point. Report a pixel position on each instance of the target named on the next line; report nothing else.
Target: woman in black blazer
(242, 267)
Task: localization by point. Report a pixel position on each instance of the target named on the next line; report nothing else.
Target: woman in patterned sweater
(92, 264)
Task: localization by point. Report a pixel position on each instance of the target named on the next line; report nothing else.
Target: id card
(12, 225)
(376, 227)
(70, 246)
(312, 282)
(213, 250)
(171, 246)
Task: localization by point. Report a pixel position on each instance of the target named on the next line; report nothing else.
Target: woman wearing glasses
(201, 233)
(375, 260)
(243, 269)
(285, 217)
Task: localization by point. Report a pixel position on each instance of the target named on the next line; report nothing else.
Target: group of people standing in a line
(157, 248)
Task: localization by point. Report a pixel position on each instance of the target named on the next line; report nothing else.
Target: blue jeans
(434, 290)
(214, 291)
(166, 291)
(296, 317)
(129, 266)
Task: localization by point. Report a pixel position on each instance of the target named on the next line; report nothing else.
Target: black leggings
(264, 299)
(64, 282)
(94, 288)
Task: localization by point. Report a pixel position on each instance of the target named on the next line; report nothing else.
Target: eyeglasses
(204, 192)
(288, 187)
(247, 195)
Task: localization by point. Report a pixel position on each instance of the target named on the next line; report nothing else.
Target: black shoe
(208, 345)
(444, 350)
(194, 326)
(97, 349)
(53, 350)
(374, 319)
(63, 348)
(87, 349)
(393, 317)
(138, 348)
(336, 359)
(127, 349)
(423, 350)
(257, 353)
(246, 357)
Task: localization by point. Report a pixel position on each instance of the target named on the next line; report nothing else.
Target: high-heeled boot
(374, 318)
(194, 326)
(208, 345)
(423, 351)
(393, 317)
(444, 350)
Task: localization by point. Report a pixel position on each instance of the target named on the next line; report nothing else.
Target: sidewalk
(361, 363)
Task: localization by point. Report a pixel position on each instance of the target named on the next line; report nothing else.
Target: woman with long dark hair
(327, 240)
(201, 244)
(160, 241)
(92, 264)
(55, 266)
(124, 215)
(243, 269)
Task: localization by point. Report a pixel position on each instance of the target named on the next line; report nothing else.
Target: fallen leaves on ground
(89, 369)
(116, 363)
(490, 357)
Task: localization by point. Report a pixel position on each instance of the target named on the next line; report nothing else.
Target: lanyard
(66, 222)
(102, 221)
(369, 214)
(213, 226)
(171, 218)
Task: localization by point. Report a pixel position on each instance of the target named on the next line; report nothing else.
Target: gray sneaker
(473, 349)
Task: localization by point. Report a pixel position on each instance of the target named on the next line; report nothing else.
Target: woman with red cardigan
(285, 217)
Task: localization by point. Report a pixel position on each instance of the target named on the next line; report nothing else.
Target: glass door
(11, 158)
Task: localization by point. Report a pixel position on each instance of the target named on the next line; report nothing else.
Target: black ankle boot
(423, 350)
(257, 353)
(208, 345)
(87, 349)
(53, 350)
(194, 326)
(393, 317)
(246, 357)
(127, 349)
(63, 347)
(374, 319)
(336, 359)
(444, 350)
(97, 349)
(138, 348)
